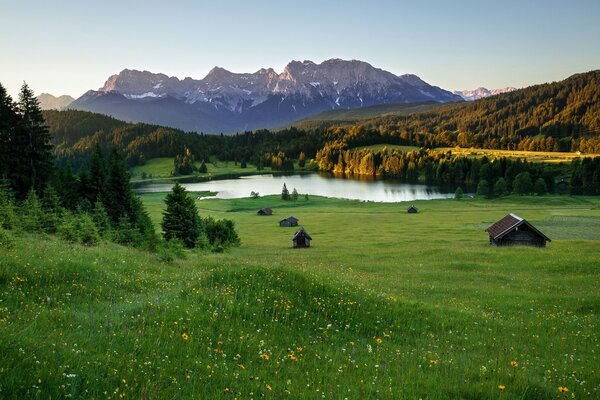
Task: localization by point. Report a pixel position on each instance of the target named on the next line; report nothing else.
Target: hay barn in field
(301, 239)
(412, 210)
(514, 230)
(265, 211)
(289, 221)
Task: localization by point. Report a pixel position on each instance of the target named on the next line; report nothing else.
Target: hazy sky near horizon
(71, 46)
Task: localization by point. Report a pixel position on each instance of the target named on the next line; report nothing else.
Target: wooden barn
(289, 221)
(265, 211)
(514, 230)
(301, 239)
(412, 210)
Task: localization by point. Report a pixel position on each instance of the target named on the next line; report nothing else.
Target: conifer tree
(33, 156)
(458, 194)
(285, 193)
(180, 219)
(8, 123)
(118, 192)
(500, 187)
(52, 210)
(31, 213)
(483, 188)
(203, 168)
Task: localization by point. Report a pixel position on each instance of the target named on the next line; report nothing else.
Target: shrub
(458, 194)
(221, 232)
(500, 188)
(6, 240)
(88, 233)
(169, 250)
(67, 229)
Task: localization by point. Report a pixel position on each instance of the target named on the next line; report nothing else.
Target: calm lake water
(313, 184)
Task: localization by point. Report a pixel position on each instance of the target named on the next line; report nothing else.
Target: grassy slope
(451, 311)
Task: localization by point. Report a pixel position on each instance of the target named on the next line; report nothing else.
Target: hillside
(567, 112)
(419, 307)
(350, 116)
(50, 102)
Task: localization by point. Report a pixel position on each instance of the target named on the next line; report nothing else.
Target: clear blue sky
(68, 47)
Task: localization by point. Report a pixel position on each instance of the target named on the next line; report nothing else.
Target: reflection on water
(313, 184)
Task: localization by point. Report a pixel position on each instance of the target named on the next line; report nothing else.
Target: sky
(71, 46)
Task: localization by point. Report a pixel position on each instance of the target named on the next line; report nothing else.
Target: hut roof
(508, 223)
(299, 232)
(266, 210)
(291, 219)
(412, 208)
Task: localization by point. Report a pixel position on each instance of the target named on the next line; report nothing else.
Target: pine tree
(483, 188)
(458, 194)
(8, 124)
(301, 160)
(203, 168)
(522, 184)
(97, 177)
(539, 187)
(8, 219)
(285, 193)
(31, 213)
(118, 191)
(180, 219)
(101, 219)
(52, 210)
(500, 187)
(34, 148)
(294, 194)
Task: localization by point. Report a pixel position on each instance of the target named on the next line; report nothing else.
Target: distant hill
(562, 111)
(50, 102)
(345, 117)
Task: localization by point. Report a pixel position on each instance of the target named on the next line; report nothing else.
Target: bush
(169, 250)
(500, 188)
(458, 194)
(67, 229)
(221, 232)
(6, 240)
(540, 187)
(483, 188)
(88, 233)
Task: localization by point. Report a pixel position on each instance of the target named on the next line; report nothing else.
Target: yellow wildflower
(185, 337)
(264, 356)
(268, 387)
(514, 363)
(563, 389)
(501, 387)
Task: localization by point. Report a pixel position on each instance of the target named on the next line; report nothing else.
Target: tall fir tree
(8, 124)
(34, 147)
(180, 219)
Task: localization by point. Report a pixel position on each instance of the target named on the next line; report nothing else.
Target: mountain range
(481, 92)
(228, 102)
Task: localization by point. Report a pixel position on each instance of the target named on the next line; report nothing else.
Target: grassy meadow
(383, 305)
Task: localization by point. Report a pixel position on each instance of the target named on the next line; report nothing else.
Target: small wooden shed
(412, 210)
(514, 230)
(289, 221)
(301, 239)
(265, 211)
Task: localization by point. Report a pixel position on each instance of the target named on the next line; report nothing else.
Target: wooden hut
(289, 221)
(265, 211)
(513, 230)
(412, 210)
(301, 239)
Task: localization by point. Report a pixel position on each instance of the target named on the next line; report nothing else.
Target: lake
(380, 190)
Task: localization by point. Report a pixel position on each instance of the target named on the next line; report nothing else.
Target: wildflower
(238, 356)
(379, 340)
(219, 343)
(241, 366)
(268, 387)
(501, 387)
(563, 389)
(514, 363)
(226, 390)
(185, 337)
(264, 356)
(433, 362)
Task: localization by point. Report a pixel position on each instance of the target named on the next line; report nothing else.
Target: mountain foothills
(50, 102)
(228, 102)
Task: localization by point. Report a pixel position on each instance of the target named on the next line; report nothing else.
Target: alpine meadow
(328, 229)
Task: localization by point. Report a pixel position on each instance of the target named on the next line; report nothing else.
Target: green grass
(451, 312)
(160, 170)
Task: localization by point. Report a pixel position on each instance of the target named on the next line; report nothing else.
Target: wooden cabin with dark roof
(288, 222)
(412, 210)
(301, 239)
(265, 211)
(514, 230)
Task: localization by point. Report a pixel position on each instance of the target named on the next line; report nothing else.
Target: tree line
(94, 203)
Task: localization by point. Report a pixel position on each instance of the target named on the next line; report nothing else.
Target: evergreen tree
(180, 219)
(539, 187)
(500, 187)
(118, 196)
(8, 219)
(458, 193)
(483, 188)
(294, 194)
(97, 176)
(243, 163)
(301, 160)
(101, 219)
(31, 213)
(52, 210)
(8, 124)
(285, 193)
(33, 157)
(522, 184)
(203, 168)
